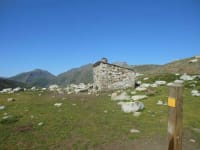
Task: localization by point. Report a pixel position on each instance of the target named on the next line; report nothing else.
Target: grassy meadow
(88, 121)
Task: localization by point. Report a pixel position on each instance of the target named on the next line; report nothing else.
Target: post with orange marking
(175, 118)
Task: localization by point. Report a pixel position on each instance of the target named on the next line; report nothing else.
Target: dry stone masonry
(109, 76)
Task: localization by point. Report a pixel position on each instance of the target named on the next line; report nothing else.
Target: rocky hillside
(145, 68)
(188, 65)
(36, 77)
(83, 74)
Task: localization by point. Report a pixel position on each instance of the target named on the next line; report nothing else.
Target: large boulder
(128, 107)
(186, 77)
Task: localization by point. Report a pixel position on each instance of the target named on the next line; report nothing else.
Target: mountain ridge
(84, 74)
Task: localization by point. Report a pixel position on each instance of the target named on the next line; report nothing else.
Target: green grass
(85, 125)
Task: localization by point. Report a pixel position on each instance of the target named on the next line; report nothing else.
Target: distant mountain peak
(36, 77)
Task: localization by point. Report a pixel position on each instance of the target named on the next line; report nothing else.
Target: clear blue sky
(57, 35)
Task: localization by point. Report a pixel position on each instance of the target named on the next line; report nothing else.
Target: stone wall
(108, 76)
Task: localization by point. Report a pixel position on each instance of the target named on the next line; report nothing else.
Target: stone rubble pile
(73, 88)
(10, 90)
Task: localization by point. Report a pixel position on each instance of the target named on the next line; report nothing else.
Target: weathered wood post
(175, 112)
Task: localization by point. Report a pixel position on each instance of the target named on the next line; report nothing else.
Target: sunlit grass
(85, 121)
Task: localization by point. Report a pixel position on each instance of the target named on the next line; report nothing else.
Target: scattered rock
(10, 99)
(40, 124)
(186, 77)
(160, 102)
(58, 104)
(2, 107)
(128, 107)
(134, 131)
(138, 97)
(141, 89)
(17, 89)
(160, 82)
(7, 90)
(137, 114)
(192, 140)
(33, 88)
(195, 93)
(154, 85)
(44, 89)
(120, 97)
(193, 61)
(145, 85)
(133, 92)
(53, 87)
(170, 84)
(9, 119)
(179, 81)
(105, 111)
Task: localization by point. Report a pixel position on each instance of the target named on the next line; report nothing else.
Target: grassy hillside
(36, 77)
(145, 68)
(180, 66)
(91, 122)
(83, 74)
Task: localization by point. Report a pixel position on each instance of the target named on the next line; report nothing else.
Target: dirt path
(156, 143)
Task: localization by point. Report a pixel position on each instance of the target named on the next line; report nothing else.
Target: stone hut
(109, 76)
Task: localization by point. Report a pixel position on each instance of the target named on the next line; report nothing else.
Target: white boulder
(186, 77)
(128, 107)
(195, 93)
(179, 81)
(146, 79)
(2, 107)
(58, 104)
(154, 85)
(141, 89)
(160, 82)
(134, 131)
(40, 124)
(136, 114)
(33, 88)
(138, 97)
(161, 102)
(193, 60)
(10, 99)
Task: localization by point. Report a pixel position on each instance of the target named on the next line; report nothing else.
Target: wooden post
(175, 112)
